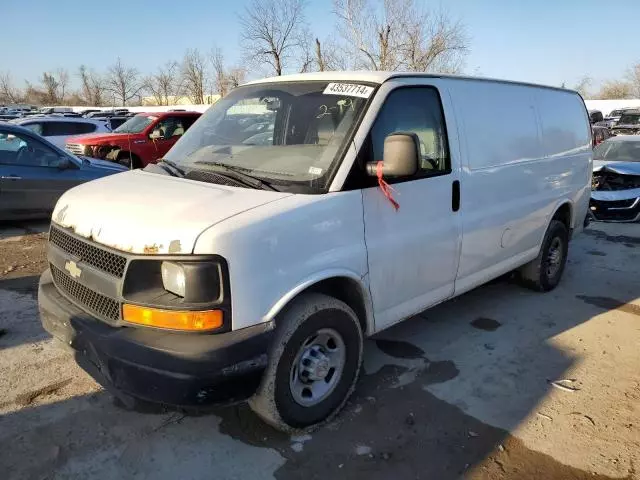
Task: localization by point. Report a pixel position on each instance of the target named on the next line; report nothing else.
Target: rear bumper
(157, 366)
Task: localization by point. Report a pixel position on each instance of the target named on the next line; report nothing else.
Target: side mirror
(400, 157)
(63, 163)
(156, 134)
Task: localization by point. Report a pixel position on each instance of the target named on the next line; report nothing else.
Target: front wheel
(313, 365)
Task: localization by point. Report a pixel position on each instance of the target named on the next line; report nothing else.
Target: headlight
(173, 278)
(177, 282)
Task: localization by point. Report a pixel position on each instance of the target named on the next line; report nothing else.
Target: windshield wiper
(174, 167)
(239, 173)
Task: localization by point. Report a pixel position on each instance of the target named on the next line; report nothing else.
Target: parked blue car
(34, 173)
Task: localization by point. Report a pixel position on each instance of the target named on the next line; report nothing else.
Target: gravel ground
(499, 383)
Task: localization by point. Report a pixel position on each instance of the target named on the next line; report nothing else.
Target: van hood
(149, 213)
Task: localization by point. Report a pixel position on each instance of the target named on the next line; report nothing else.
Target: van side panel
(566, 133)
(521, 160)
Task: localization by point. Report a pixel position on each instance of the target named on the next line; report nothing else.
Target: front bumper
(171, 368)
(615, 210)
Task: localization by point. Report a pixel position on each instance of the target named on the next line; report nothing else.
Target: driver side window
(21, 150)
(414, 110)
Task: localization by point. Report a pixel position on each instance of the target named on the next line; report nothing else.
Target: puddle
(611, 304)
(486, 324)
(597, 253)
(399, 349)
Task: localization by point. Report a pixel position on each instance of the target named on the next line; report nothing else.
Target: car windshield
(620, 151)
(630, 119)
(135, 124)
(291, 135)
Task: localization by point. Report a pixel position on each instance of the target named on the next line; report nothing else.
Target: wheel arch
(564, 213)
(345, 285)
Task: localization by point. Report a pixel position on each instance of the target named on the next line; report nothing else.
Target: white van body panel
(286, 246)
(133, 211)
(516, 173)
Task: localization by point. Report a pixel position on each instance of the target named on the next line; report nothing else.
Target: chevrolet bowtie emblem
(73, 269)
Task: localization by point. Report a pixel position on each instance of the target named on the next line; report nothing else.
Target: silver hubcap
(317, 367)
(554, 257)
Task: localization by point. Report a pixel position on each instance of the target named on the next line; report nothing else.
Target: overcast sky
(544, 41)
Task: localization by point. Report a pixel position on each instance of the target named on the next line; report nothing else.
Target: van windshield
(291, 135)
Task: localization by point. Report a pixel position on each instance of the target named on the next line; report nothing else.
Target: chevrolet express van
(302, 213)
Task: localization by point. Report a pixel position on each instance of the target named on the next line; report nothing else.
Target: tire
(129, 160)
(545, 271)
(283, 390)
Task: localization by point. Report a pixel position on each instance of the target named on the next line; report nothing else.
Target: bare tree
(34, 95)
(633, 77)
(582, 87)
(123, 82)
(221, 77)
(271, 31)
(320, 59)
(63, 83)
(399, 34)
(49, 87)
(614, 90)
(164, 84)
(194, 75)
(92, 86)
(236, 77)
(307, 54)
(8, 92)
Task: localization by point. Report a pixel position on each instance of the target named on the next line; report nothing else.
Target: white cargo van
(302, 213)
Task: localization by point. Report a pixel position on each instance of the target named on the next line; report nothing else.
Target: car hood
(143, 212)
(622, 168)
(98, 138)
(94, 163)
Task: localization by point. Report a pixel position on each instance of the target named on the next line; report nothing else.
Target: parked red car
(143, 139)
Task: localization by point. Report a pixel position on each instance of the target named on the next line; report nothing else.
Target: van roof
(381, 77)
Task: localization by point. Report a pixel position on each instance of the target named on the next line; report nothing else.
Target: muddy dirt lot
(500, 383)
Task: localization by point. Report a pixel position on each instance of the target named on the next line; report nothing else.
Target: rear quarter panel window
(500, 125)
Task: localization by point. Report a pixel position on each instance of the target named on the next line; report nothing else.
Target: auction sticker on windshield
(350, 89)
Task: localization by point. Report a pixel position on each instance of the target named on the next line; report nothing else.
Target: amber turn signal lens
(195, 321)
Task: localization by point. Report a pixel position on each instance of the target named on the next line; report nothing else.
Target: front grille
(211, 177)
(108, 262)
(75, 148)
(606, 210)
(616, 203)
(101, 306)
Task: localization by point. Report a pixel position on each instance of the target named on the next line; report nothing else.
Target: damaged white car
(615, 190)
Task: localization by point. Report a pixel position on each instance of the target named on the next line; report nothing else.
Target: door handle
(10, 177)
(455, 196)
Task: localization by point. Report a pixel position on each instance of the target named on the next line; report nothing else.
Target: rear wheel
(313, 366)
(545, 271)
